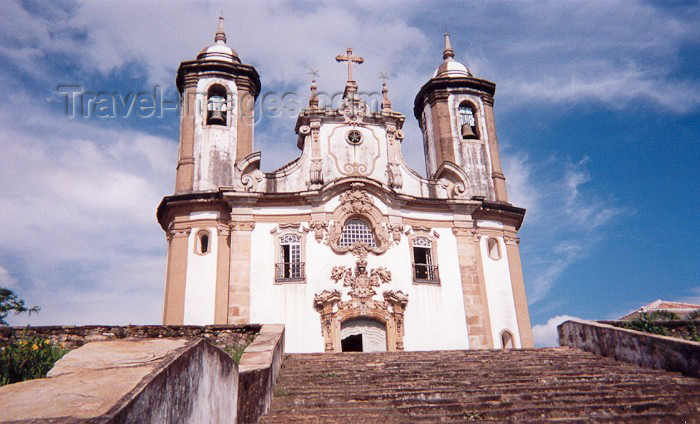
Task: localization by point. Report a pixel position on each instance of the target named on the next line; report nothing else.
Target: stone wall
(259, 367)
(130, 381)
(73, 337)
(682, 329)
(644, 349)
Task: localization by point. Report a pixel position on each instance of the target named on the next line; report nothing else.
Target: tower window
(423, 267)
(467, 121)
(494, 249)
(203, 242)
(290, 265)
(356, 231)
(217, 105)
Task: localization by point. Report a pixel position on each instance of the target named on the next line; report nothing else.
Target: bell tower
(455, 113)
(217, 103)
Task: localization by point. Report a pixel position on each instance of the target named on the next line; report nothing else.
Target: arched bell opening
(363, 335)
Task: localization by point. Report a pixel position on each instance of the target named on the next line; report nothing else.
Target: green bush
(646, 323)
(26, 359)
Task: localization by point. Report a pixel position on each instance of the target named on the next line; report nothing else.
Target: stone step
(527, 385)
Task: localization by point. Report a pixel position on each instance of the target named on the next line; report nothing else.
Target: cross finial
(313, 100)
(314, 74)
(384, 77)
(350, 58)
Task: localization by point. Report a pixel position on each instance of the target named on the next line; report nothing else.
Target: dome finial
(448, 52)
(220, 34)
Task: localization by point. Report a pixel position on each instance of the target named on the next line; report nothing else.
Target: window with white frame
(290, 265)
(424, 268)
(356, 230)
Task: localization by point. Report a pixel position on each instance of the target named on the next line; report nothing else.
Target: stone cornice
(245, 75)
(435, 86)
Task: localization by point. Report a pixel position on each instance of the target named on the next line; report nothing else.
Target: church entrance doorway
(363, 335)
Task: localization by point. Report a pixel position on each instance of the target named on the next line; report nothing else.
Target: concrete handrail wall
(130, 381)
(636, 347)
(259, 366)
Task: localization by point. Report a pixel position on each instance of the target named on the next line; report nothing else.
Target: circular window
(354, 137)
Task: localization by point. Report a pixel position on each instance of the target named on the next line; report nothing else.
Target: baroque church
(346, 245)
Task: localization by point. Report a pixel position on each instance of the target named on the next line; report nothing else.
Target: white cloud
(558, 234)
(546, 335)
(81, 201)
(6, 280)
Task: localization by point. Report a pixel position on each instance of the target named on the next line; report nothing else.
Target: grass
(235, 351)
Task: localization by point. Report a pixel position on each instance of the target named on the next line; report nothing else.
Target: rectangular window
(424, 269)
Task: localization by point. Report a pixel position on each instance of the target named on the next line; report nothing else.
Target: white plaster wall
(434, 316)
(429, 150)
(214, 146)
(200, 280)
(499, 292)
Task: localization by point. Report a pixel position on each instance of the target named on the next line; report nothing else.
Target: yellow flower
(46, 341)
(35, 347)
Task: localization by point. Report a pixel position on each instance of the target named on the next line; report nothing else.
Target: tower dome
(219, 50)
(450, 68)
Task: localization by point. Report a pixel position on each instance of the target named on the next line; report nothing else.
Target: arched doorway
(363, 335)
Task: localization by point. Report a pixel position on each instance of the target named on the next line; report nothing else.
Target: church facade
(346, 245)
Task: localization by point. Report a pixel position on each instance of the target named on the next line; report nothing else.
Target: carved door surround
(334, 311)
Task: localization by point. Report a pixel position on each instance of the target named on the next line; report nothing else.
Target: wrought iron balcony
(426, 273)
(289, 271)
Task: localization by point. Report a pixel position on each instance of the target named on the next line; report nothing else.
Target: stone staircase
(528, 385)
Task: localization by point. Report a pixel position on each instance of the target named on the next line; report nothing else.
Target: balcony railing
(426, 273)
(289, 271)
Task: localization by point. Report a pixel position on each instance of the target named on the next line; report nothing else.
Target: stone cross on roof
(350, 58)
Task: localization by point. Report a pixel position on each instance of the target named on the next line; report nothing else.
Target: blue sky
(597, 110)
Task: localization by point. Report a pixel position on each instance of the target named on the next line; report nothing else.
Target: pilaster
(473, 288)
(222, 275)
(184, 177)
(175, 280)
(499, 180)
(239, 272)
(518, 285)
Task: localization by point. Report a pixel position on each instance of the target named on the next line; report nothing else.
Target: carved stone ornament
(316, 172)
(395, 230)
(457, 190)
(394, 178)
(511, 240)
(304, 129)
(182, 232)
(223, 230)
(353, 109)
(242, 225)
(250, 182)
(362, 285)
(319, 228)
(357, 203)
(356, 200)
